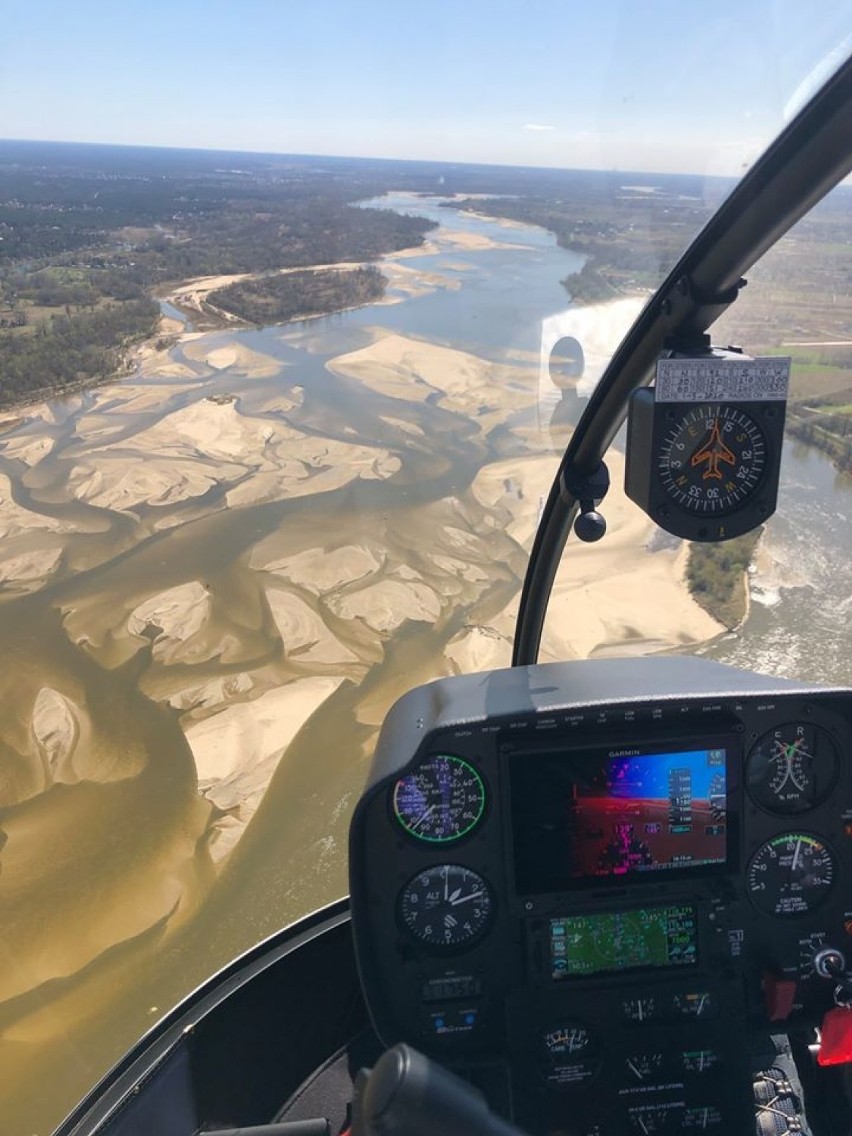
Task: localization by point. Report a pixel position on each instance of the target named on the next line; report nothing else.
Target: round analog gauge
(443, 800)
(571, 1055)
(639, 1009)
(698, 1004)
(712, 459)
(790, 875)
(699, 1060)
(644, 1066)
(792, 768)
(566, 1041)
(446, 906)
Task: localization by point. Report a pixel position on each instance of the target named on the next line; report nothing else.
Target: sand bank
(233, 356)
(305, 637)
(414, 370)
(237, 751)
(613, 593)
(319, 570)
(472, 242)
(171, 618)
(15, 519)
(187, 453)
(387, 604)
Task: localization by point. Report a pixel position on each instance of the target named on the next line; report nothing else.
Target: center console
(592, 887)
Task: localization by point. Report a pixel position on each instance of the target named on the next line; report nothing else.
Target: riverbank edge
(732, 605)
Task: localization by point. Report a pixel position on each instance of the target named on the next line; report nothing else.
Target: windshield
(277, 430)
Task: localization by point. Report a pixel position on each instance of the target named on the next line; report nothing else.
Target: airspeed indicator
(441, 801)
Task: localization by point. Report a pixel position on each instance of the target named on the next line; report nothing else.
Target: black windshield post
(810, 156)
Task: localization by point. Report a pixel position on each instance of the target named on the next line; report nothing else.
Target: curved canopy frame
(810, 156)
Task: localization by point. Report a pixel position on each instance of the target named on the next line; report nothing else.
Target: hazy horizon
(544, 86)
(309, 155)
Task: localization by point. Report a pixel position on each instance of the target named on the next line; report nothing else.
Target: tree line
(65, 351)
(295, 295)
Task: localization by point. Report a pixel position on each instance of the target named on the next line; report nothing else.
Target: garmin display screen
(581, 945)
(583, 818)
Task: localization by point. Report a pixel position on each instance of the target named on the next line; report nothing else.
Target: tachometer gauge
(446, 907)
(711, 460)
(792, 768)
(790, 875)
(442, 801)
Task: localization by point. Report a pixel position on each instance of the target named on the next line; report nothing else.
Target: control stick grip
(406, 1094)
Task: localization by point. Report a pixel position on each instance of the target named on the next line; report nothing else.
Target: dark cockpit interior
(608, 895)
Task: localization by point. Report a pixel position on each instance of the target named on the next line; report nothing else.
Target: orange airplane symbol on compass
(713, 451)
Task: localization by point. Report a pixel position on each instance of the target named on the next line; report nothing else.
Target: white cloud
(537, 126)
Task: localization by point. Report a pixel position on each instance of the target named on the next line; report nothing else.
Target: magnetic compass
(712, 459)
(705, 469)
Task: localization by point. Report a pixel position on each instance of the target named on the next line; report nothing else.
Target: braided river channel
(218, 573)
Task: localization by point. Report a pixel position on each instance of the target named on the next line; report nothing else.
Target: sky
(630, 84)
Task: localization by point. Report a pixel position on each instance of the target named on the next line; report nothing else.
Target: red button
(836, 1037)
(779, 994)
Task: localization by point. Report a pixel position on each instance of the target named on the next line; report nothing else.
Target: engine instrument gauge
(790, 875)
(445, 907)
(704, 1116)
(699, 1060)
(643, 1066)
(697, 1004)
(792, 768)
(571, 1055)
(639, 1009)
(441, 801)
(566, 1041)
(712, 459)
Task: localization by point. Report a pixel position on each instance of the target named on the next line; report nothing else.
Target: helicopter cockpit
(598, 901)
(611, 896)
(616, 895)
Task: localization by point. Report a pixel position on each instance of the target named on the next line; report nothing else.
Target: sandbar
(612, 593)
(414, 370)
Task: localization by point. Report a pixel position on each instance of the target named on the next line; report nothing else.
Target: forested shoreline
(88, 237)
(300, 294)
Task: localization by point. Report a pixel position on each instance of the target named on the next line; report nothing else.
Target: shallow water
(112, 906)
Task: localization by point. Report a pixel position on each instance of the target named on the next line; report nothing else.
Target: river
(161, 537)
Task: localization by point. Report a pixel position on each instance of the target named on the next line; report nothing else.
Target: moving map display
(588, 817)
(623, 940)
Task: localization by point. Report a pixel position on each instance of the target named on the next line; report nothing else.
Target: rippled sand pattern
(214, 579)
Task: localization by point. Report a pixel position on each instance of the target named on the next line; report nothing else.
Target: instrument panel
(610, 873)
